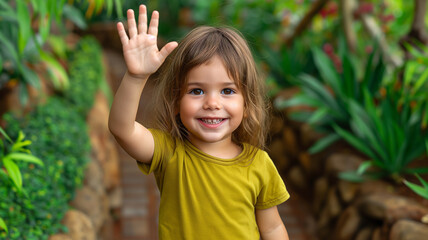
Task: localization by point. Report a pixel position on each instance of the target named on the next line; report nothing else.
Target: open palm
(140, 50)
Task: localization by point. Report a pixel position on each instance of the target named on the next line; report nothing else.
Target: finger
(142, 19)
(132, 27)
(167, 49)
(154, 23)
(122, 34)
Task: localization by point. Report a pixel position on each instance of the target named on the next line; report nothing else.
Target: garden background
(347, 80)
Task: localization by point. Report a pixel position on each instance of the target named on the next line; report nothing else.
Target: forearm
(278, 233)
(125, 105)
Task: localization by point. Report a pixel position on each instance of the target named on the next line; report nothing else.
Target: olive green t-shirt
(209, 198)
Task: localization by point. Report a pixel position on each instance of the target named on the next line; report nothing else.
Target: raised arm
(142, 58)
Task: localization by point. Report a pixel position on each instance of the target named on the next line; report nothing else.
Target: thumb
(167, 49)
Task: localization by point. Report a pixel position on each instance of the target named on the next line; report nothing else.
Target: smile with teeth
(211, 120)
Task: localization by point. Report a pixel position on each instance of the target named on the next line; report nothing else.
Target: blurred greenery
(58, 132)
(28, 29)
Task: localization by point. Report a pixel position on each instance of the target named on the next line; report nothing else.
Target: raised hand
(140, 50)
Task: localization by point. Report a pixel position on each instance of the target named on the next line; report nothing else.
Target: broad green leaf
(357, 143)
(24, 22)
(30, 77)
(5, 135)
(420, 81)
(326, 70)
(317, 88)
(299, 100)
(19, 145)
(323, 143)
(409, 72)
(421, 170)
(352, 176)
(25, 158)
(13, 171)
(75, 16)
(9, 47)
(350, 85)
(423, 192)
(57, 73)
(3, 225)
(119, 8)
(363, 167)
(318, 115)
(425, 184)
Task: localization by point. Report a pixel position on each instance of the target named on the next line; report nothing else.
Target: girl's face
(212, 106)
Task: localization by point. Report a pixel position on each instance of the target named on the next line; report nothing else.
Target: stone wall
(371, 210)
(94, 205)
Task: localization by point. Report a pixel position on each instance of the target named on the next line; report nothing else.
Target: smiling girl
(214, 179)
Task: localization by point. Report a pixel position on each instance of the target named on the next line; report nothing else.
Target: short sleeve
(163, 143)
(273, 191)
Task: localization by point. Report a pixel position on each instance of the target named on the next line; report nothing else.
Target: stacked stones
(343, 210)
(100, 196)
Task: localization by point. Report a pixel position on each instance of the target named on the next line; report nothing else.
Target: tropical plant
(25, 28)
(389, 134)
(17, 152)
(330, 96)
(393, 133)
(8, 155)
(58, 132)
(420, 190)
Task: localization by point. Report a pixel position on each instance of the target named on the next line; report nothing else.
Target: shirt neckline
(241, 157)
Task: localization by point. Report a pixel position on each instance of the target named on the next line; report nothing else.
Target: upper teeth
(212, 121)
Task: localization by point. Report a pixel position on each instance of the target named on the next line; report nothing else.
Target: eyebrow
(202, 84)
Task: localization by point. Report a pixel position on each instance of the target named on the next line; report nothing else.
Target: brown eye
(227, 91)
(196, 91)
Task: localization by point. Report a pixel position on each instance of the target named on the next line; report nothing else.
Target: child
(215, 181)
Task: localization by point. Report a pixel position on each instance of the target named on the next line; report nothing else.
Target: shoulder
(164, 139)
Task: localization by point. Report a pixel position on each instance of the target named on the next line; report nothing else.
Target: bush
(59, 137)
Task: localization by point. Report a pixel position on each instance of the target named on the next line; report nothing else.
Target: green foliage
(58, 133)
(389, 134)
(385, 122)
(420, 190)
(26, 34)
(332, 95)
(86, 74)
(17, 152)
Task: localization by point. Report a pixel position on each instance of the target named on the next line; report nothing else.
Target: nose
(212, 102)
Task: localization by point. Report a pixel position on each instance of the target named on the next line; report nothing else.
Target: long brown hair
(197, 48)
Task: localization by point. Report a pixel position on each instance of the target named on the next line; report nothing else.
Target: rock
(308, 136)
(333, 203)
(364, 234)
(347, 224)
(103, 145)
(297, 177)
(347, 190)
(290, 142)
(390, 208)
(276, 125)
(79, 226)
(408, 230)
(60, 236)
(115, 198)
(374, 187)
(320, 194)
(278, 155)
(377, 234)
(305, 162)
(93, 204)
(341, 162)
(94, 177)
